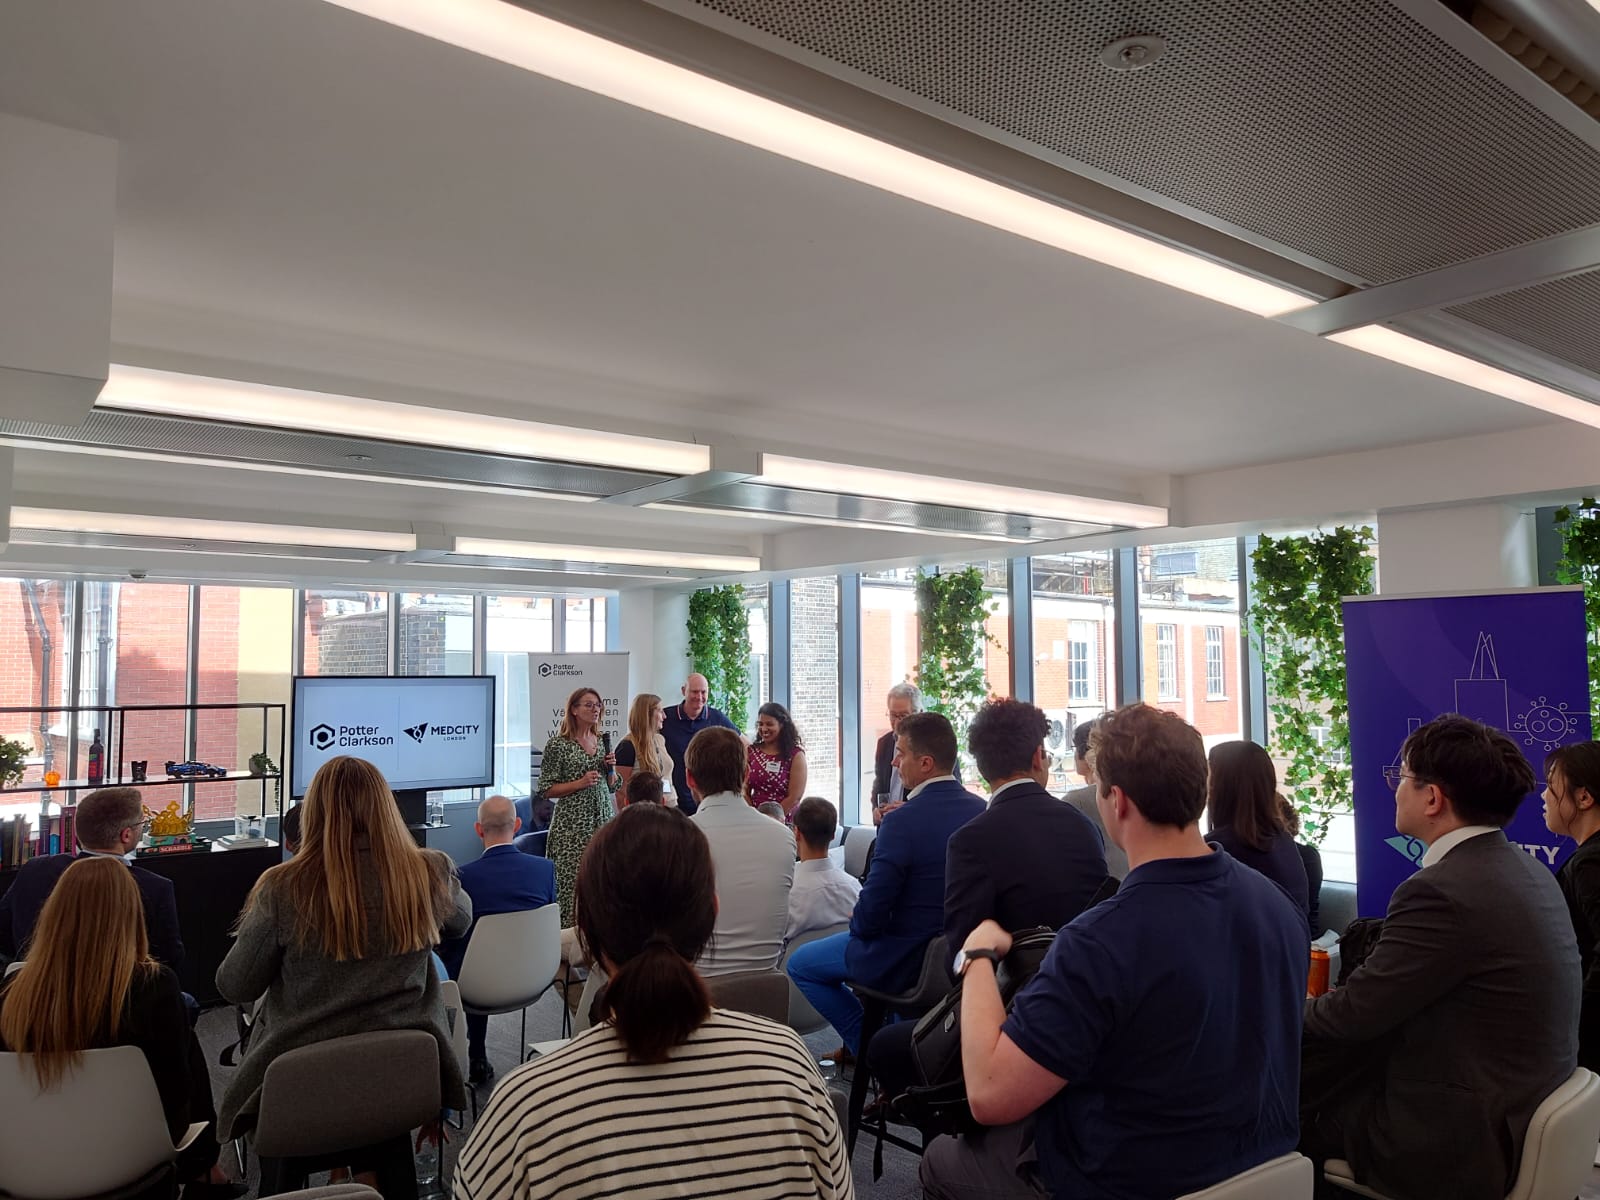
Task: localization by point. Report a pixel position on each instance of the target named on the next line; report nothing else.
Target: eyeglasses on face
(1392, 775)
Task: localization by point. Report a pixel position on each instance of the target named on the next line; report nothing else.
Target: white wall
(670, 659)
(1465, 547)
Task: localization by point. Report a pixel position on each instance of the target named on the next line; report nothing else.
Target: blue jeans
(818, 970)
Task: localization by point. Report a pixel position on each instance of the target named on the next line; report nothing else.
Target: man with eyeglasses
(1424, 1069)
(110, 824)
(888, 792)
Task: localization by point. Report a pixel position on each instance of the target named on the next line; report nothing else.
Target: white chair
(1557, 1154)
(803, 1017)
(512, 959)
(857, 841)
(1288, 1178)
(13, 968)
(112, 1093)
(591, 986)
(455, 1016)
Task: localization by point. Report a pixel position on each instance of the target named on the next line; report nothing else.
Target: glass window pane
(814, 668)
(35, 641)
(888, 656)
(516, 627)
(1186, 590)
(346, 633)
(758, 608)
(1074, 648)
(136, 651)
(245, 652)
(435, 634)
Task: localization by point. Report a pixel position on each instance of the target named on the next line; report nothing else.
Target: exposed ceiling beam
(1570, 253)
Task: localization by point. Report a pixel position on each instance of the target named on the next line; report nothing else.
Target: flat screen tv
(422, 732)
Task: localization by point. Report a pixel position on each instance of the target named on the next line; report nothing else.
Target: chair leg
(872, 1014)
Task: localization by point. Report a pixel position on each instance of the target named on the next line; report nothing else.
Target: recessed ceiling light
(192, 529)
(509, 33)
(556, 552)
(785, 518)
(169, 394)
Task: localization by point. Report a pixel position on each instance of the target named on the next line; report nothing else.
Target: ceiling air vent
(1524, 46)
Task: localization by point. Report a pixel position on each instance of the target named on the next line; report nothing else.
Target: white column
(670, 663)
(636, 633)
(58, 216)
(1466, 547)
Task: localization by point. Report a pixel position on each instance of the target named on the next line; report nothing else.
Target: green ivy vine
(1298, 626)
(1580, 563)
(719, 647)
(951, 609)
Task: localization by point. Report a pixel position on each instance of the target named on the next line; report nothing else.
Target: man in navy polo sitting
(1157, 1051)
(501, 880)
(901, 907)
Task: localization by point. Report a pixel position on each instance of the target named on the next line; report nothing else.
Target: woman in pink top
(777, 761)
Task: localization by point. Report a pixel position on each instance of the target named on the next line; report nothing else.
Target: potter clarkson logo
(546, 670)
(323, 736)
(417, 732)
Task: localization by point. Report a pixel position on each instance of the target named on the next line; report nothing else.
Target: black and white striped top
(738, 1111)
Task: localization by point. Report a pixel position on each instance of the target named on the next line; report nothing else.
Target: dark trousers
(196, 1160)
(392, 1161)
(1338, 1085)
(477, 1037)
(889, 1057)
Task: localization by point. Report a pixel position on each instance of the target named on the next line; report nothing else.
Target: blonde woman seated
(339, 939)
(667, 1096)
(89, 983)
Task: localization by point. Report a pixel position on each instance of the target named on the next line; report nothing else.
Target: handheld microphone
(605, 752)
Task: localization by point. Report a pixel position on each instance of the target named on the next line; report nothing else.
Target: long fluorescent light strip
(814, 475)
(512, 35)
(784, 518)
(167, 393)
(493, 548)
(1412, 352)
(198, 529)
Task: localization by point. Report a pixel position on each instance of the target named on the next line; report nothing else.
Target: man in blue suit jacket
(901, 908)
(503, 880)
(110, 822)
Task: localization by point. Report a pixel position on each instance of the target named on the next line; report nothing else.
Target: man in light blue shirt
(824, 894)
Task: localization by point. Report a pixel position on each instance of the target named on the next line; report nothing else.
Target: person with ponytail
(89, 983)
(665, 1095)
(1572, 809)
(339, 940)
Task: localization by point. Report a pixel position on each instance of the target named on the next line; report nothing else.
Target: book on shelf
(16, 841)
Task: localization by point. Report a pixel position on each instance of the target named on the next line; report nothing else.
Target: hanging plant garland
(1298, 626)
(1580, 563)
(719, 647)
(705, 640)
(951, 610)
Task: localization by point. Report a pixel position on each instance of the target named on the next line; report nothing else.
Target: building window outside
(1081, 683)
(346, 633)
(1074, 648)
(888, 656)
(814, 672)
(1167, 662)
(515, 627)
(1216, 677)
(585, 624)
(435, 634)
(36, 639)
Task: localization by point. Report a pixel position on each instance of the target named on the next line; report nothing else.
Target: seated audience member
(90, 983)
(1084, 799)
(339, 940)
(901, 907)
(605, 1115)
(501, 880)
(1424, 1068)
(111, 824)
(771, 808)
(1247, 821)
(824, 893)
(753, 855)
(644, 787)
(1572, 787)
(1027, 860)
(1310, 859)
(1155, 1051)
(289, 831)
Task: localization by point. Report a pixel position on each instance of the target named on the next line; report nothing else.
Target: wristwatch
(965, 957)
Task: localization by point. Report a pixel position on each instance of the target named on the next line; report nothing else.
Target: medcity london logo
(417, 732)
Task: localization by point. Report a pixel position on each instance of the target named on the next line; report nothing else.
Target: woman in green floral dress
(574, 774)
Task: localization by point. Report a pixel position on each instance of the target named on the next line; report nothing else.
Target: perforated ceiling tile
(1340, 128)
(1561, 319)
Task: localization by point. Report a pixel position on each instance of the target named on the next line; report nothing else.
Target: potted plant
(262, 765)
(13, 761)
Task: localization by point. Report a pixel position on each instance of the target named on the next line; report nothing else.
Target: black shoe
(480, 1073)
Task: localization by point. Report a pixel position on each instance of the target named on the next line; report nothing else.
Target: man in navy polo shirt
(1157, 1051)
(682, 722)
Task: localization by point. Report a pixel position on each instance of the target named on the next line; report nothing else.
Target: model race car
(195, 770)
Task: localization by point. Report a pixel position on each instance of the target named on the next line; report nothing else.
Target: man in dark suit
(110, 822)
(901, 907)
(904, 699)
(1424, 1069)
(502, 880)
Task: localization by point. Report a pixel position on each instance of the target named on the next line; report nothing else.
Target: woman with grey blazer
(338, 939)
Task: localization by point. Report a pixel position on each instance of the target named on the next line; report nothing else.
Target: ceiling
(312, 199)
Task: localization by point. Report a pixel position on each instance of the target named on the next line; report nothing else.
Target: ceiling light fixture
(844, 479)
(496, 548)
(511, 34)
(1408, 351)
(170, 394)
(199, 529)
(786, 518)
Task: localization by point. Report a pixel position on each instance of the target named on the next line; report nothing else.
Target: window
(758, 609)
(585, 624)
(346, 633)
(516, 626)
(435, 634)
(888, 656)
(1175, 564)
(1216, 677)
(814, 675)
(1074, 647)
(1082, 684)
(1167, 662)
(35, 645)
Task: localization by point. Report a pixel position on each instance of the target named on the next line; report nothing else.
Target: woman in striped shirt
(667, 1097)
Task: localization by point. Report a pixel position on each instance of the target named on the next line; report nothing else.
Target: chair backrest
(1336, 906)
(532, 843)
(763, 993)
(856, 843)
(1286, 1178)
(803, 1016)
(1558, 1153)
(13, 967)
(348, 1092)
(935, 980)
(41, 1136)
(591, 989)
(455, 1016)
(511, 959)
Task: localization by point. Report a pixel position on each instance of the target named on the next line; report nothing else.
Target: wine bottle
(97, 761)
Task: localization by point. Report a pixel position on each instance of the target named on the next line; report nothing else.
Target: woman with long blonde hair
(89, 983)
(644, 749)
(575, 772)
(339, 940)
